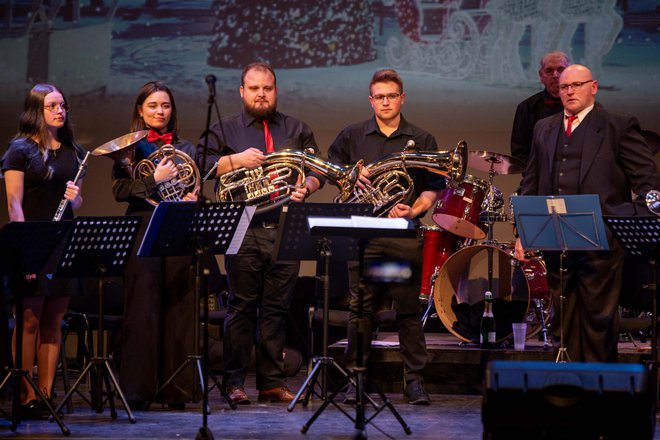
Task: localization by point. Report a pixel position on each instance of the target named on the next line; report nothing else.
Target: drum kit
(456, 272)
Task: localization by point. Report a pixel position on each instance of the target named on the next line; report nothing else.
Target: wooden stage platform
(456, 367)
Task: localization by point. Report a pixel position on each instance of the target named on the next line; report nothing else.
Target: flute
(65, 202)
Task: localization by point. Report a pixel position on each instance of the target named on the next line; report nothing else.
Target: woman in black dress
(157, 326)
(39, 168)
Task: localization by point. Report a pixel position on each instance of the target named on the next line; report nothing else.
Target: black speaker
(545, 400)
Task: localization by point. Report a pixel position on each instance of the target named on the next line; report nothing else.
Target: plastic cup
(519, 335)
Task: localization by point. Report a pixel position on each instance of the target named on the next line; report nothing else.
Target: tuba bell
(122, 151)
(270, 185)
(391, 183)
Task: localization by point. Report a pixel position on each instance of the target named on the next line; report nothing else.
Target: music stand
(363, 229)
(26, 247)
(640, 238)
(295, 243)
(99, 247)
(184, 229)
(560, 223)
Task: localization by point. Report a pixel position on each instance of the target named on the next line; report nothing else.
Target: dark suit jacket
(615, 161)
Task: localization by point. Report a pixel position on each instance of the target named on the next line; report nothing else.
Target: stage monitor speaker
(546, 400)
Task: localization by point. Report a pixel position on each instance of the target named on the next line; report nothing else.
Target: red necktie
(569, 125)
(153, 136)
(270, 147)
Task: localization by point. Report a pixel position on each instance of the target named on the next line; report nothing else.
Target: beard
(260, 112)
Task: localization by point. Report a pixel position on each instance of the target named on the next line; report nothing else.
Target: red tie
(569, 125)
(268, 138)
(269, 149)
(153, 136)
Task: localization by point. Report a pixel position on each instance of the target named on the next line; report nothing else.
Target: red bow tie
(153, 136)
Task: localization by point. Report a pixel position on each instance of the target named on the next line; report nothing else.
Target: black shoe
(33, 410)
(176, 406)
(350, 396)
(415, 393)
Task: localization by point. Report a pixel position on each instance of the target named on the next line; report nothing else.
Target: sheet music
(241, 230)
(357, 221)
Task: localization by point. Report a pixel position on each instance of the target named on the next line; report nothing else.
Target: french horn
(391, 183)
(270, 185)
(122, 150)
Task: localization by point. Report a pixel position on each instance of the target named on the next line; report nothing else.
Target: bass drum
(520, 292)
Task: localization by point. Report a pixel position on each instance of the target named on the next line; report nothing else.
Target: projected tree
(292, 33)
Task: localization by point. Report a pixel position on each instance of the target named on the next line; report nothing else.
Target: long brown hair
(137, 123)
(32, 125)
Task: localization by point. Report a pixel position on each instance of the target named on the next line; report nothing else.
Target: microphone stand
(204, 432)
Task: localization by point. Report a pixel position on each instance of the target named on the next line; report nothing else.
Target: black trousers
(157, 326)
(592, 285)
(260, 294)
(406, 303)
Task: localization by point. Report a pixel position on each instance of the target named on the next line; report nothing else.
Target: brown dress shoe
(238, 396)
(279, 394)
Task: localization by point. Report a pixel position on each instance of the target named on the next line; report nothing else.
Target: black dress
(157, 326)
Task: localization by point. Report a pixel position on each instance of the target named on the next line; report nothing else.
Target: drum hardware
(429, 297)
(458, 292)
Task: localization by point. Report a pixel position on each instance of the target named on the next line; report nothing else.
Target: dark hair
(264, 67)
(32, 125)
(386, 75)
(137, 122)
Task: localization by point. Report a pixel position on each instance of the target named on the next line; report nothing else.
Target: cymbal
(498, 162)
(120, 143)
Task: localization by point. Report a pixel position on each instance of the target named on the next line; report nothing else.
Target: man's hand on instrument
(363, 181)
(250, 158)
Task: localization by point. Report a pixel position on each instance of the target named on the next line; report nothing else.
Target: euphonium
(122, 151)
(271, 184)
(391, 183)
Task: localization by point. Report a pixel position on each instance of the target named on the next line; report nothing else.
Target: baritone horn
(122, 151)
(270, 185)
(391, 183)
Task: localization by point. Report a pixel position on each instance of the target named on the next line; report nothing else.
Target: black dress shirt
(365, 141)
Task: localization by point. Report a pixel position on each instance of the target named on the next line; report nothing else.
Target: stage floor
(450, 416)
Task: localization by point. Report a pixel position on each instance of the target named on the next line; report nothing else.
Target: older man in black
(385, 133)
(538, 106)
(589, 150)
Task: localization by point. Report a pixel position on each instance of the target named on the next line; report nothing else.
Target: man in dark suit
(589, 150)
(538, 106)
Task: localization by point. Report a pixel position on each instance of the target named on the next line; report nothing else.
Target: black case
(546, 400)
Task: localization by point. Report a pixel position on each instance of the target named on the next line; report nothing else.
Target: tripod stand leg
(111, 400)
(307, 386)
(115, 383)
(15, 418)
(223, 389)
(74, 388)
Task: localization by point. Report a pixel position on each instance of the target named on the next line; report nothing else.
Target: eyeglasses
(389, 96)
(55, 107)
(575, 86)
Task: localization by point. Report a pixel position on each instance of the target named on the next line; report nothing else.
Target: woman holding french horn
(40, 167)
(157, 326)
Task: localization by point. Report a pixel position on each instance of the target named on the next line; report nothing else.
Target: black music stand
(26, 247)
(99, 247)
(188, 229)
(640, 238)
(363, 229)
(295, 243)
(560, 223)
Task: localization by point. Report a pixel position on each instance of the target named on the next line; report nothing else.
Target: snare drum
(457, 209)
(438, 247)
(517, 289)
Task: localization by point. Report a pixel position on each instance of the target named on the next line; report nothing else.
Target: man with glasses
(385, 133)
(589, 150)
(538, 106)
